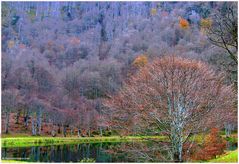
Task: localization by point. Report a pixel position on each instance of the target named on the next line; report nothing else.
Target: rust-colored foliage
(140, 61)
(168, 77)
(22, 46)
(214, 145)
(183, 23)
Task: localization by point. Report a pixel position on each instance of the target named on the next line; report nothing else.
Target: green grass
(23, 140)
(199, 138)
(45, 141)
(230, 157)
(28, 141)
(12, 161)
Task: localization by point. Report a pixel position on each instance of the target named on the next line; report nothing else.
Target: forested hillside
(61, 60)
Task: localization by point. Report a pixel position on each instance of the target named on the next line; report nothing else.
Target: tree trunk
(33, 127)
(17, 117)
(176, 157)
(26, 120)
(101, 133)
(39, 124)
(177, 153)
(53, 133)
(89, 132)
(79, 132)
(177, 142)
(59, 129)
(7, 122)
(64, 130)
(228, 129)
(71, 131)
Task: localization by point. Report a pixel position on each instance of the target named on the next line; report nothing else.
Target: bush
(214, 145)
(95, 133)
(107, 133)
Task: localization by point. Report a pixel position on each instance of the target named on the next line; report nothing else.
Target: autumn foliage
(140, 61)
(183, 23)
(214, 145)
(11, 44)
(153, 11)
(206, 23)
(171, 94)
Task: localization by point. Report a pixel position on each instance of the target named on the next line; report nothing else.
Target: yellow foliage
(183, 23)
(140, 61)
(153, 11)
(10, 43)
(206, 23)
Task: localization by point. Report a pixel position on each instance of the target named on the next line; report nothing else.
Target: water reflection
(60, 153)
(100, 152)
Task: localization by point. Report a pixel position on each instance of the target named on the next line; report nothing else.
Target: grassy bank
(21, 140)
(12, 161)
(45, 141)
(229, 157)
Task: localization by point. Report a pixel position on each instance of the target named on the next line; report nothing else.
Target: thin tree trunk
(71, 131)
(79, 132)
(17, 117)
(53, 132)
(101, 131)
(7, 122)
(89, 132)
(59, 129)
(64, 130)
(39, 124)
(33, 127)
(26, 119)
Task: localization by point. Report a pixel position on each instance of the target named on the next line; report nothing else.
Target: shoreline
(46, 141)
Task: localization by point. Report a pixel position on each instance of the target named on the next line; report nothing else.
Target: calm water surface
(100, 152)
(61, 153)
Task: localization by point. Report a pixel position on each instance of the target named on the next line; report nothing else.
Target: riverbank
(45, 141)
(21, 140)
(29, 141)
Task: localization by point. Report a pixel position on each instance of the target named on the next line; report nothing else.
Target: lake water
(100, 152)
(61, 153)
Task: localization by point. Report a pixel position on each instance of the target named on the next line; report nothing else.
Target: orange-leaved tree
(183, 23)
(140, 61)
(214, 145)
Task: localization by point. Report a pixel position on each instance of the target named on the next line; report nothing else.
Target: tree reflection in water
(149, 151)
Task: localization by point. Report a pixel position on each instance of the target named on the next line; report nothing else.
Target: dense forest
(88, 68)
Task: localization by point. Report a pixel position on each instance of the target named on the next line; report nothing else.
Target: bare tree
(223, 32)
(173, 95)
(9, 104)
